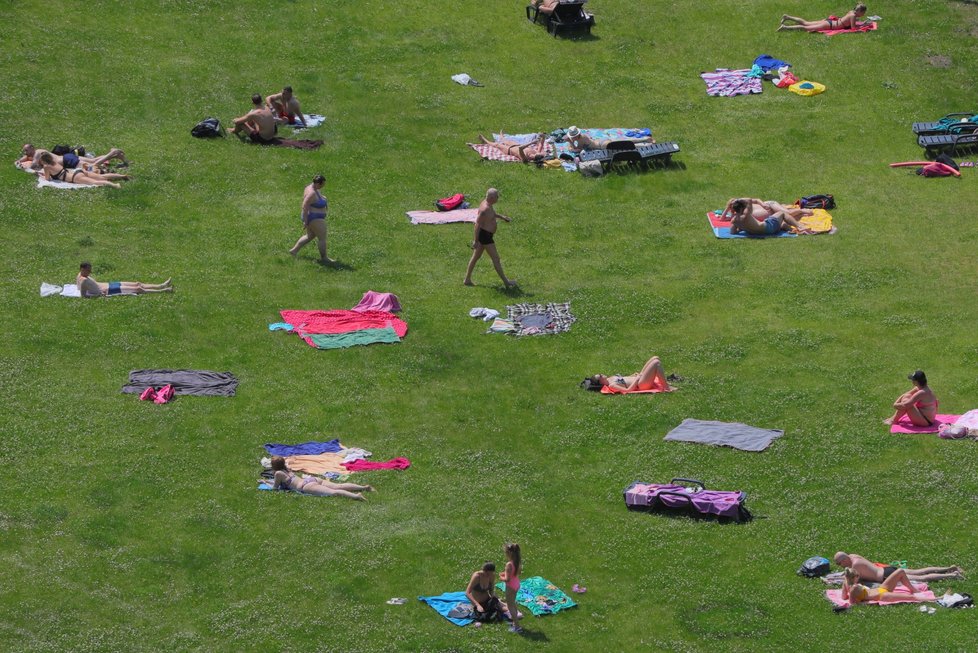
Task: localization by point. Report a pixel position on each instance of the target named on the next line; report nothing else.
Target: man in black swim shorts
(485, 229)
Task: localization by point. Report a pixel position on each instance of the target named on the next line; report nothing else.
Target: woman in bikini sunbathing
(526, 152)
(652, 377)
(762, 210)
(849, 21)
(855, 592)
(481, 593)
(286, 480)
(918, 403)
(54, 171)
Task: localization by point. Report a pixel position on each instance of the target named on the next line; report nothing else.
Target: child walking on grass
(511, 576)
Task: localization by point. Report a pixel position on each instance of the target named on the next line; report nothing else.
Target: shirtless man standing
(257, 125)
(32, 155)
(742, 219)
(874, 573)
(485, 228)
(285, 107)
(89, 287)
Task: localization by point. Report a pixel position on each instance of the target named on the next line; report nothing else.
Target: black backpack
(817, 202)
(948, 161)
(207, 128)
(814, 567)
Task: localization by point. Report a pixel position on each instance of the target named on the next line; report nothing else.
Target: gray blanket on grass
(724, 434)
(185, 382)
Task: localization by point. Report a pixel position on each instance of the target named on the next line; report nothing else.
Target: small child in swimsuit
(511, 576)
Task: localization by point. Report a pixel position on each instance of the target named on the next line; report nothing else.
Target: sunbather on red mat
(526, 152)
(286, 480)
(875, 572)
(918, 403)
(743, 220)
(846, 22)
(762, 209)
(652, 377)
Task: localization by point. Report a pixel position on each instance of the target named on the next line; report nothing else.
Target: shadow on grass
(336, 264)
(534, 635)
(513, 291)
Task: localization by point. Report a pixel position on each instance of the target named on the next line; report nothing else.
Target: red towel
(363, 465)
(342, 321)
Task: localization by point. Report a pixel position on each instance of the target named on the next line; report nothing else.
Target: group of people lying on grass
(261, 123)
(859, 572)
(536, 150)
(763, 218)
(72, 167)
(849, 21)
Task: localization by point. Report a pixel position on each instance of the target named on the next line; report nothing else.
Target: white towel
(42, 182)
(312, 120)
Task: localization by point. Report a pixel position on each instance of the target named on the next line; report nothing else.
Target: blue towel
(445, 603)
(766, 62)
(304, 449)
(639, 133)
(280, 326)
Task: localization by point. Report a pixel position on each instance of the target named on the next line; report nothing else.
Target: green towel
(540, 596)
(352, 338)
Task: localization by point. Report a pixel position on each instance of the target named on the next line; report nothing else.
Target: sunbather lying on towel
(579, 141)
(846, 22)
(285, 107)
(918, 403)
(855, 592)
(763, 209)
(742, 219)
(51, 170)
(89, 287)
(651, 377)
(258, 125)
(31, 159)
(526, 152)
(875, 572)
(481, 591)
(286, 480)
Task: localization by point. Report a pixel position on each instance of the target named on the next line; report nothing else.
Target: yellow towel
(820, 221)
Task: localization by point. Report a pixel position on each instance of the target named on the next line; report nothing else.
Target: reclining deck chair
(642, 155)
(567, 15)
(941, 126)
(948, 143)
(687, 496)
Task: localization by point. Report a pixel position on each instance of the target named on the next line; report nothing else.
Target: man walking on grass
(485, 229)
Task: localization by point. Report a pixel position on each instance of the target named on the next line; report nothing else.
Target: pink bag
(164, 395)
(786, 80)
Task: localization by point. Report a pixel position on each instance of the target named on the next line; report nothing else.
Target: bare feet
(468, 282)
(483, 139)
(115, 185)
(167, 283)
(327, 261)
(371, 488)
(781, 28)
(511, 283)
(294, 255)
(888, 421)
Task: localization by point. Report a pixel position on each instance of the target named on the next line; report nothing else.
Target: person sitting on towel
(855, 592)
(32, 156)
(742, 219)
(762, 209)
(54, 171)
(286, 480)
(285, 107)
(652, 377)
(89, 287)
(849, 21)
(481, 592)
(918, 403)
(579, 141)
(526, 152)
(258, 125)
(875, 572)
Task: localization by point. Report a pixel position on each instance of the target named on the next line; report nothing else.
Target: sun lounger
(643, 155)
(940, 126)
(687, 496)
(948, 143)
(567, 15)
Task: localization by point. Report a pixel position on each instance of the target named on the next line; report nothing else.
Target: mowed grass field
(126, 526)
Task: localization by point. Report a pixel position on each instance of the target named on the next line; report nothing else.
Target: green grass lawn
(135, 527)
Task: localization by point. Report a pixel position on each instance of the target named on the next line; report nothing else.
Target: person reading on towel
(285, 107)
(89, 287)
(483, 240)
(286, 480)
(849, 21)
(763, 209)
(918, 403)
(525, 152)
(481, 592)
(874, 572)
(31, 159)
(579, 141)
(258, 125)
(855, 592)
(51, 170)
(742, 220)
(652, 377)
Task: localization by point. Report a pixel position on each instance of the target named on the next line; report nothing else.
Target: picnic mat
(540, 596)
(305, 448)
(904, 425)
(443, 217)
(201, 383)
(724, 434)
(490, 153)
(726, 83)
(820, 221)
(454, 606)
(540, 319)
(860, 27)
(899, 595)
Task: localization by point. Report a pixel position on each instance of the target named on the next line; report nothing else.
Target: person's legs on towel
(349, 487)
(138, 288)
(321, 490)
(652, 376)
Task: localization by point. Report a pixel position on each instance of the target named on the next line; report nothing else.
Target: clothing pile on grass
(160, 385)
(558, 153)
(726, 82)
(370, 321)
(528, 319)
(538, 595)
(330, 460)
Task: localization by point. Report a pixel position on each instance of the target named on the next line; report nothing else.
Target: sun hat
(573, 132)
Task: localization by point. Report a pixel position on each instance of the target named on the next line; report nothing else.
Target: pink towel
(904, 425)
(362, 465)
(378, 301)
(860, 27)
(443, 217)
(608, 390)
(899, 595)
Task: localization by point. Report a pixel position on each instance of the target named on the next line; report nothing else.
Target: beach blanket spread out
(443, 217)
(345, 328)
(904, 425)
(454, 606)
(727, 83)
(202, 383)
(540, 596)
(540, 319)
(726, 434)
(899, 595)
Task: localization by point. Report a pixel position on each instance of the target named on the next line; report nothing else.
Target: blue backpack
(814, 567)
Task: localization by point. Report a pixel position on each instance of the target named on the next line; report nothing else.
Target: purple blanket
(304, 449)
(726, 83)
(706, 502)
